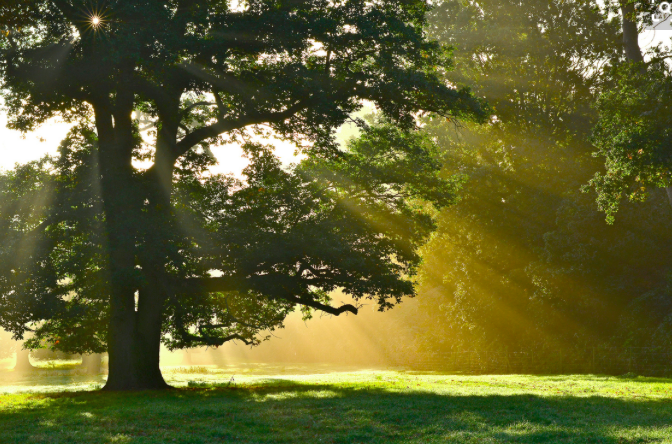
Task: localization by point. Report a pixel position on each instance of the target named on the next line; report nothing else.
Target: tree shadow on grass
(281, 411)
(603, 378)
(47, 381)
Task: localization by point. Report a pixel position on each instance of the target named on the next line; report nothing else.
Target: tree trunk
(134, 332)
(134, 362)
(630, 32)
(92, 363)
(137, 255)
(668, 190)
(150, 316)
(23, 361)
(632, 50)
(134, 343)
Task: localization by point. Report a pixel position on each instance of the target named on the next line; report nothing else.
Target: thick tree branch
(188, 109)
(220, 104)
(223, 126)
(327, 65)
(206, 339)
(208, 285)
(214, 340)
(630, 32)
(221, 81)
(222, 284)
(336, 311)
(232, 318)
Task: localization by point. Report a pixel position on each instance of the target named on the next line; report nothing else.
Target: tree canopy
(121, 257)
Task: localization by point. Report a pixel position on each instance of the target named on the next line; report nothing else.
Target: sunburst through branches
(95, 19)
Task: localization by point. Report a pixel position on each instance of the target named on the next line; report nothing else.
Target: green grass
(364, 407)
(57, 365)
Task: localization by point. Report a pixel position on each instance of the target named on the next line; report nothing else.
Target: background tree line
(525, 260)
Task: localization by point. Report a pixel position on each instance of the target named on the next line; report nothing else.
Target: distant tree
(633, 133)
(7, 346)
(10, 348)
(524, 57)
(23, 363)
(632, 137)
(524, 259)
(91, 363)
(648, 321)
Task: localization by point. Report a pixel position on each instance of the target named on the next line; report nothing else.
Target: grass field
(354, 407)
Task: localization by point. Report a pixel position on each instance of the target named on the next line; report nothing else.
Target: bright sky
(652, 38)
(17, 148)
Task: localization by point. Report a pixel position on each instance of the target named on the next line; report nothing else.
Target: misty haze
(343, 221)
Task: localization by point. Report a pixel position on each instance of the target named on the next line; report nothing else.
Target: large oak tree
(115, 256)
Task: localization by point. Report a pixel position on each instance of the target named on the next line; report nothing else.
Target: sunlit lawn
(355, 407)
